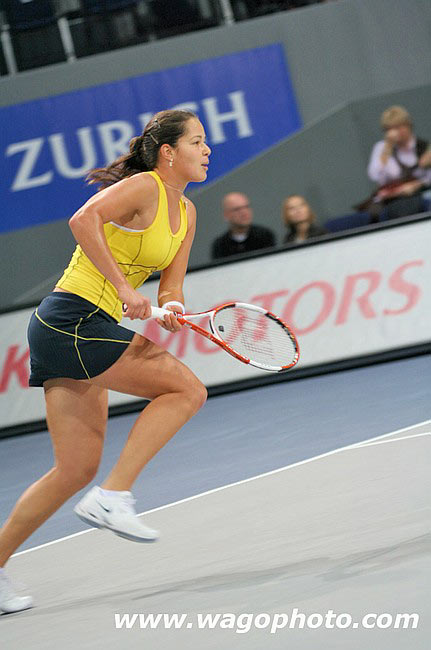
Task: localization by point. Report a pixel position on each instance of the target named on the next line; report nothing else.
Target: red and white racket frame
(185, 319)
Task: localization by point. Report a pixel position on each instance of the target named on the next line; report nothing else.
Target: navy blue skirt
(70, 337)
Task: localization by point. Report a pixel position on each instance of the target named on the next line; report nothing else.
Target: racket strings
(255, 335)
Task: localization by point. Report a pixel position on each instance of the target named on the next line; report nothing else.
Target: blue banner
(245, 101)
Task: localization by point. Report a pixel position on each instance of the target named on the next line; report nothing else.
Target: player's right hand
(135, 305)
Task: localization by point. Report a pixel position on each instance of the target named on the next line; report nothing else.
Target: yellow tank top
(138, 253)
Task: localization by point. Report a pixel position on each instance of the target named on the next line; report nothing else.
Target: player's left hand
(170, 321)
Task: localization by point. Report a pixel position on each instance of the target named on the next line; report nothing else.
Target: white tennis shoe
(9, 601)
(115, 513)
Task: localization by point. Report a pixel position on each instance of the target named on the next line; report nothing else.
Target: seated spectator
(300, 220)
(242, 236)
(401, 166)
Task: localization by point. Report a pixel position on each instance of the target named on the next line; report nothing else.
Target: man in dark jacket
(242, 235)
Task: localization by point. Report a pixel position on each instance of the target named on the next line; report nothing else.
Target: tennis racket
(249, 333)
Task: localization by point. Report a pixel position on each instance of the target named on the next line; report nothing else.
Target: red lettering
(373, 278)
(328, 295)
(399, 284)
(14, 365)
(266, 300)
(201, 343)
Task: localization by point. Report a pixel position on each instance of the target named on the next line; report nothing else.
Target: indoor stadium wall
(337, 52)
(323, 45)
(326, 162)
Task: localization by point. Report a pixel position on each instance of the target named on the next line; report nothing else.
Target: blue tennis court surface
(241, 435)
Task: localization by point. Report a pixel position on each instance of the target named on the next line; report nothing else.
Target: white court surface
(348, 531)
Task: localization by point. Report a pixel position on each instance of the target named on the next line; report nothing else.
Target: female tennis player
(138, 223)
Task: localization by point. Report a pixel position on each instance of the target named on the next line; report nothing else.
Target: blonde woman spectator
(300, 220)
(400, 164)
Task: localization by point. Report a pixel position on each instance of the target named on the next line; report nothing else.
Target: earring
(171, 162)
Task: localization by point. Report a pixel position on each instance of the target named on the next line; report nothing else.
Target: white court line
(242, 482)
(385, 442)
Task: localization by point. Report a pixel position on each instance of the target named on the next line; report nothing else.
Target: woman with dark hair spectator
(300, 220)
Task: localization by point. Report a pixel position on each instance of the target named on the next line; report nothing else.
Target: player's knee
(88, 473)
(201, 395)
(196, 394)
(76, 477)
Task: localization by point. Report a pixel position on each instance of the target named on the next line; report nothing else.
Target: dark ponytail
(166, 127)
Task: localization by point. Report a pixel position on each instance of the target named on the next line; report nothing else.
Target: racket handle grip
(158, 312)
